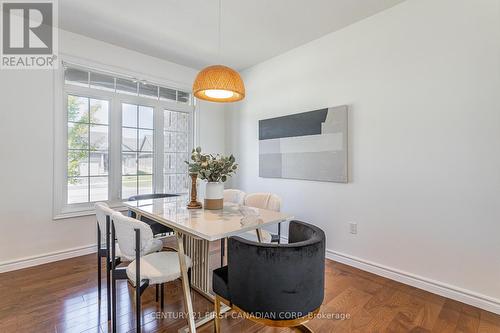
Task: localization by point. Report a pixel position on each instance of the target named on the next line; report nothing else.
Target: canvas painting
(310, 145)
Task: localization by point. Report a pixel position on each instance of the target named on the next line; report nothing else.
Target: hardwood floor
(62, 297)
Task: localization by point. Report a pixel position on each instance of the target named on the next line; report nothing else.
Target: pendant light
(219, 83)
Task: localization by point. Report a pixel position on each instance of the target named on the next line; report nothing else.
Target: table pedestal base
(198, 251)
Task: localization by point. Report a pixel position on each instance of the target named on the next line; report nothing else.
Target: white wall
(26, 126)
(422, 80)
(211, 132)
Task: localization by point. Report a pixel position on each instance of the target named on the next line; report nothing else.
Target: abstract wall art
(310, 145)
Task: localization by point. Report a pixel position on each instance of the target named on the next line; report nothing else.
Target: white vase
(214, 195)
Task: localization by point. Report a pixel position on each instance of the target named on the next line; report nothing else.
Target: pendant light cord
(219, 31)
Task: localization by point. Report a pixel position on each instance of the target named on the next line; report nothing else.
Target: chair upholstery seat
(158, 267)
(155, 246)
(219, 282)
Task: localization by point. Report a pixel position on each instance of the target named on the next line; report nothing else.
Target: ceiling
(185, 31)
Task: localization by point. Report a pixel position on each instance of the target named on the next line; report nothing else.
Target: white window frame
(61, 209)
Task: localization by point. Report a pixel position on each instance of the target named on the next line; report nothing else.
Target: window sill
(88, 210)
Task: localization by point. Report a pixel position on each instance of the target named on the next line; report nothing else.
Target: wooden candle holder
(194, 204)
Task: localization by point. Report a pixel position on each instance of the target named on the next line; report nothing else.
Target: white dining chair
(135, 239)
(104, 246)
(268, 201)
(103, 215)
(234, 196)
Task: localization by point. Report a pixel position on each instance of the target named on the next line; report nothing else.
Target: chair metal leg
(137, 280)
(108, 287)
(157, 292)
(113, 304)
(279, 233)
(222, 251)
(98, 264)
(217, 314)
(113, 281)
(108, 268)
(162, 296)
(138, 307)
(98, 276)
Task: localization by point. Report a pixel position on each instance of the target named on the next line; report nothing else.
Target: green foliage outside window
(78, 136)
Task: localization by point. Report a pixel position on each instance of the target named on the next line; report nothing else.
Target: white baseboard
(25, 262)
(436, 287)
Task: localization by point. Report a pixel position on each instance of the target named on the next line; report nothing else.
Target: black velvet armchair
(274, 284)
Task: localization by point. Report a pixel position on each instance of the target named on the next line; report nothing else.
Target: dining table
(194, 230)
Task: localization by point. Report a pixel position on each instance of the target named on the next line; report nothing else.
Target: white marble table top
(207, 224)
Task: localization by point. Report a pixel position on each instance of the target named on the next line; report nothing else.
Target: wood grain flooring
(62, 297)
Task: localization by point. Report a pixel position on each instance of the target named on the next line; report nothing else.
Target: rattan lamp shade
(219, 78)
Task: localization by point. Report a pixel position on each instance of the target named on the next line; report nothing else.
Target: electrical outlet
(353, 227)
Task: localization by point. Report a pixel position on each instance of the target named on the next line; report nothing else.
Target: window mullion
(88, 151)
(115, 173)
(191, 130)
(158, 150)
(137, 152)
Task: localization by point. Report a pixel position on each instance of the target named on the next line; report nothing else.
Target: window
(176, 136)
(121, 137)
(87, 149)
(137, 150)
